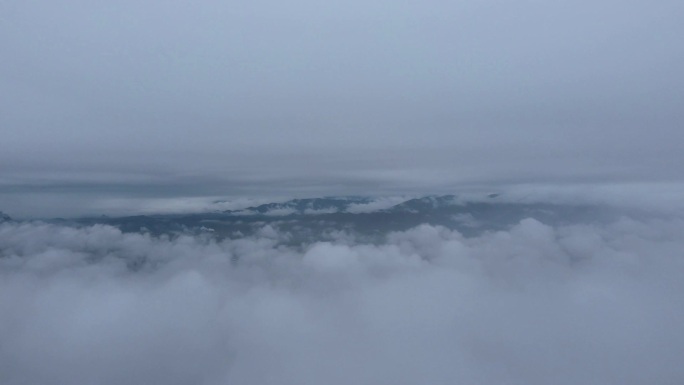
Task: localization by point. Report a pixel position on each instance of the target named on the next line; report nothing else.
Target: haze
(104, 102)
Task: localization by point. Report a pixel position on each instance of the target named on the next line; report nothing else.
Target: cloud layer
(535, 305)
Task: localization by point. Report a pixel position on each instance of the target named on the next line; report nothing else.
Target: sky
(106, 102)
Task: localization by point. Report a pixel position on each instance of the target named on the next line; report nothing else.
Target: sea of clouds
(579, 304)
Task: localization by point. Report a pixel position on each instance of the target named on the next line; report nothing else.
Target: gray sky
(108, 100)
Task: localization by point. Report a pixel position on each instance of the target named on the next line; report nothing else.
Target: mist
(101, 102)
(499, 192)
(534, 304)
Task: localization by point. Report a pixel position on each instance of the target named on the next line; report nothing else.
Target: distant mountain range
(320, 217)
(330, 205)
(303, 206)
(424, 204)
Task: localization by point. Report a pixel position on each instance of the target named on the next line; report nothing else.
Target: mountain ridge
(304, 218)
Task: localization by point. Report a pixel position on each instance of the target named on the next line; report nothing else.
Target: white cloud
(320, 211)
(376, 204)
(281, 212)
(535, 305)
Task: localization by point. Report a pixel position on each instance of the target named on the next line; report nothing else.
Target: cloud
(218, 96)
(380, 203)
(534, 304)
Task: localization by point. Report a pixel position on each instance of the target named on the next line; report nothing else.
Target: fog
(577, 304)
(105, 101)
(132, 108)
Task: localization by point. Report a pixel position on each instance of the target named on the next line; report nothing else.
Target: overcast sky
(185, 99)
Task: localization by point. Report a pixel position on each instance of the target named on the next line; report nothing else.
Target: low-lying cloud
(581, 304)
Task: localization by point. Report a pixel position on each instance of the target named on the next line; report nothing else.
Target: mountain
(303, 206)
(423, 204)
(320, 217)
(4, 217)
